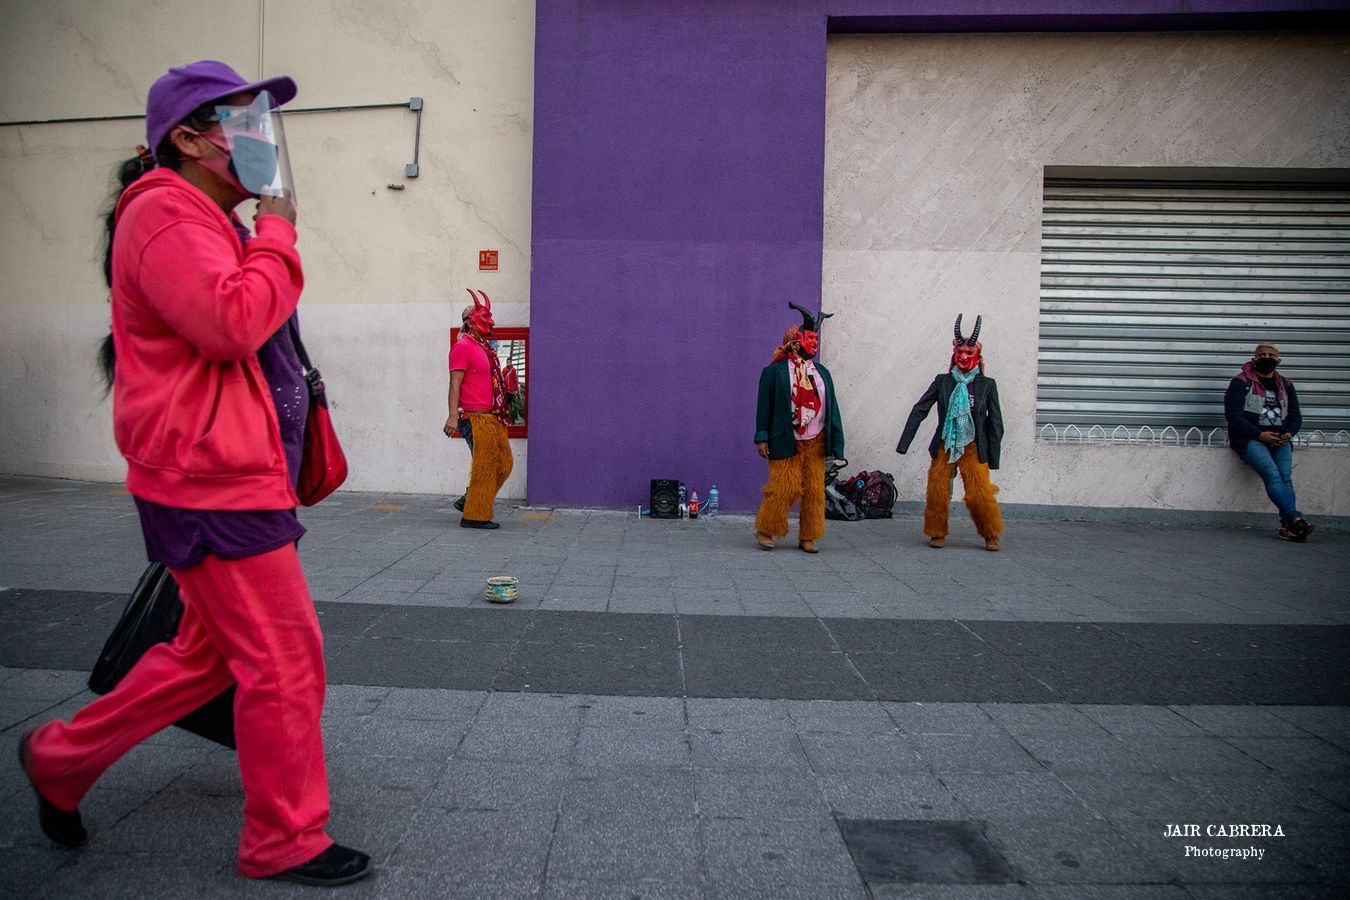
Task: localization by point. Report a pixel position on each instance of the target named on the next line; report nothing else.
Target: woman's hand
(763, 449)
(276, 206)
(451, 427)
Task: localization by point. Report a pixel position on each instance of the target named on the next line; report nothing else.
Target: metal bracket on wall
(413, 103)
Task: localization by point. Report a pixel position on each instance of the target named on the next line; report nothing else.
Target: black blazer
(984, 409)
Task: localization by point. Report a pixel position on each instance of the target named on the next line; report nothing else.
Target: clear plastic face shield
(257, 145)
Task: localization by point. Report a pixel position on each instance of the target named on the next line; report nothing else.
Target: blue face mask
(254, 162)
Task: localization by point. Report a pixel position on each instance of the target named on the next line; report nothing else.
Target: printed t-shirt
(1271, 417)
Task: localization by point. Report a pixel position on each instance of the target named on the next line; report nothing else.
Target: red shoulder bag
(323, 465)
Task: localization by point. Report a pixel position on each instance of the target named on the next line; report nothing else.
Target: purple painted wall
(678, 205)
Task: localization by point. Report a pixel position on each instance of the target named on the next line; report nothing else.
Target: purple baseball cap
(181, 90)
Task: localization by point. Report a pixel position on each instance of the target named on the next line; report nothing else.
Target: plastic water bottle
(693, 505)
(711, 508)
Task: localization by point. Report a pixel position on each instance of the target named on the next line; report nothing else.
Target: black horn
(962, 339)
(808, 321)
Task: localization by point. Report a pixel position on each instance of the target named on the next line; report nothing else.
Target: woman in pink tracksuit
(209, 405)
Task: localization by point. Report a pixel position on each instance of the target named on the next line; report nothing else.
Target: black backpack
(873, 493)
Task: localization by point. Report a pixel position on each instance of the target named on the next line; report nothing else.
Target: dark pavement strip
(659, 655)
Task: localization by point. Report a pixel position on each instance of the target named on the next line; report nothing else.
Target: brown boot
(765, 541)
(991, 543)
(808, 546)
(937, 542)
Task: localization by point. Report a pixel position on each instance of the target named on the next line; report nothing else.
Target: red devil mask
(480, 320)
(807, 335)
(966, 350)
(810, 343)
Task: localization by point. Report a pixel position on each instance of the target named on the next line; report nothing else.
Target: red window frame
(510, 334)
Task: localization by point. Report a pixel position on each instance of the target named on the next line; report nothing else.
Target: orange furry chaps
(800, 477)
(492, 463)
(980, 491)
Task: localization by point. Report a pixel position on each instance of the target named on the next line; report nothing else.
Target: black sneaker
(459, 504)
(65, 828)
(475, 523)
(334, 866)
(1299, 529)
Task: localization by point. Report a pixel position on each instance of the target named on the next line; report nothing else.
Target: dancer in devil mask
(968, 440)
(797, 424)
(478, 411)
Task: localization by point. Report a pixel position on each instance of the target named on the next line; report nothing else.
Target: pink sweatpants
(249, 621)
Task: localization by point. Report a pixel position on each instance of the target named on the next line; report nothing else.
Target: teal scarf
(959, 428)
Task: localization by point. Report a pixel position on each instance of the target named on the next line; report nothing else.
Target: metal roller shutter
(1153, 293)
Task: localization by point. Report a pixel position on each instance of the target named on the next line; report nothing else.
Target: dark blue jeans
(1275, 466)
(465, 429)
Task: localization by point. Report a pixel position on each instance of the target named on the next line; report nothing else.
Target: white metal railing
(1098, 436)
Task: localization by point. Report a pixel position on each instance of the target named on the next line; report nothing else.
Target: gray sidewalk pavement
(668, 711)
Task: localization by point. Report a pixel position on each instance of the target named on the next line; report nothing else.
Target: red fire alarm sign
(487, 260)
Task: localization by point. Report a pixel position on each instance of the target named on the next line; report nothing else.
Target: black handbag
(151, 617)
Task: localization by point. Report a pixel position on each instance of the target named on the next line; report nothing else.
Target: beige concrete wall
(385, 269)
(935, 152)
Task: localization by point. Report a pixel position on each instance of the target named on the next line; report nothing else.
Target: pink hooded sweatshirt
(192, 412)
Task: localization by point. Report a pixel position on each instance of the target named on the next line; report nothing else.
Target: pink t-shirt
(469, 357)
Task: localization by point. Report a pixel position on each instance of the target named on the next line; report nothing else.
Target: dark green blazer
(773, 414)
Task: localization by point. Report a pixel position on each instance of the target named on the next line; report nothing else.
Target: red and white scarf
(498, 383)
(806, 400)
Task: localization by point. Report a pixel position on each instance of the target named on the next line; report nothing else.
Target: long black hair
(128, 171)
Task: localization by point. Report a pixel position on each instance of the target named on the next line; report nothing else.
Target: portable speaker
(665, 499)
